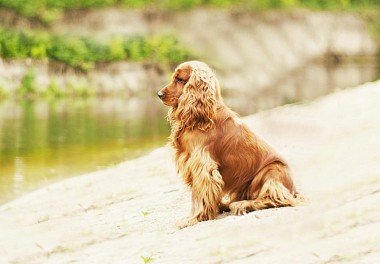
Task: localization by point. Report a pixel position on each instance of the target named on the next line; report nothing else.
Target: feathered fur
(216, 154)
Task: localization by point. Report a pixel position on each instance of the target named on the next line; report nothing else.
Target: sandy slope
(128, 212)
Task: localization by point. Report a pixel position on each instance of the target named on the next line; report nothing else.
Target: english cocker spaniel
(225, 165)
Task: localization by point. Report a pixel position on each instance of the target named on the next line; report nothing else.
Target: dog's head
(193, 93)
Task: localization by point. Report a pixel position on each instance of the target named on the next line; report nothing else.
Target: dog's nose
(161, 95)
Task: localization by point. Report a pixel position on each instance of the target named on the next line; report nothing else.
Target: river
(45, 141)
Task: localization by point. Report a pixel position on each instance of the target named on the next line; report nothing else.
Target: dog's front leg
(207, 185)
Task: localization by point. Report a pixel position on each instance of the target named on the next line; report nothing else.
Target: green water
(46, 141)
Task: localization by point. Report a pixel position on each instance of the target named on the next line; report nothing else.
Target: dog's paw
(186, 222)
(223, 208)
(238, 208)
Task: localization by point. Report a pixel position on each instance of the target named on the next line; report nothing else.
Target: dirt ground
(127, 213)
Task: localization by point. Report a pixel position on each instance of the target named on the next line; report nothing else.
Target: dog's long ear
(198, 103)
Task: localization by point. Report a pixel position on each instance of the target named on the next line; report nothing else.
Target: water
(42, 142)
(316, 79)
(46, 141)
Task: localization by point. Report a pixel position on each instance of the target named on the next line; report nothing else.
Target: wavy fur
(216, 154)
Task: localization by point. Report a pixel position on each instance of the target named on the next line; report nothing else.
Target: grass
(85, 53)
(147, 259)
(145, 213)
(47, 11)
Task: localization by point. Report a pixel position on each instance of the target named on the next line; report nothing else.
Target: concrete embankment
(250, 51)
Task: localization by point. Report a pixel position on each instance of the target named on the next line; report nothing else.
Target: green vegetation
(79, 88)
(84, 53)
(3, 93)
(3, 90)
(28, 87)
(147, 259)
(47, 11)
(145, 213)
(53, 90)
(315, 4)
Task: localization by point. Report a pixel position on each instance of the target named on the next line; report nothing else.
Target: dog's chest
(182, 167)
(186, 144)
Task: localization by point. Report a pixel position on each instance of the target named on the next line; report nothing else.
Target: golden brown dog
(216, 154)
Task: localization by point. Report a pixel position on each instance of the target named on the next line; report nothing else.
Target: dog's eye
(179, 80)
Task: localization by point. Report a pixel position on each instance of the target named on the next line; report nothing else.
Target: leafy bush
(23, 45)
(116, 49)
(181, 5)
(84, 53)
(49, 10)
(72, 51)
(75, 4)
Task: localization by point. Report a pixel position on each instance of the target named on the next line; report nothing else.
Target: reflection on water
(45, 141)
(18, 178)
(313, 80)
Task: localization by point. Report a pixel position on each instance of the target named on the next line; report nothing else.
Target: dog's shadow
(263, 213)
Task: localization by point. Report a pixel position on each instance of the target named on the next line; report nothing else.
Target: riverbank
(250, 51)
(127, 214)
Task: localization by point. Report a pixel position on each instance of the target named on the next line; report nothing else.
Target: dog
(226, 166)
